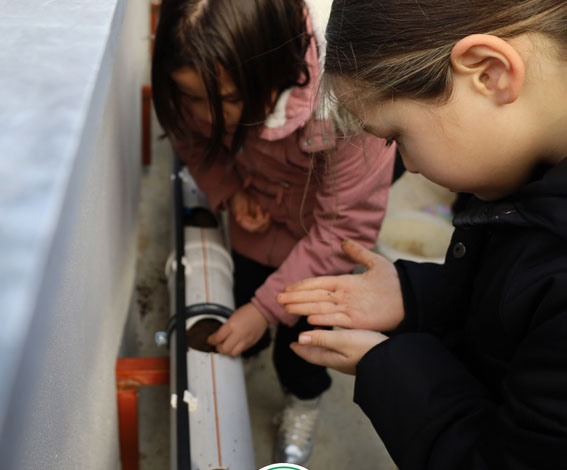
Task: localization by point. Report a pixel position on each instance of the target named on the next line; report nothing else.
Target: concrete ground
(345, 438)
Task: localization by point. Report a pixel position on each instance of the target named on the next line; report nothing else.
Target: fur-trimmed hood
(295, 106)
(319, 10)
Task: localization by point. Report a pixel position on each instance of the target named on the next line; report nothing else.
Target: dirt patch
(144, 299)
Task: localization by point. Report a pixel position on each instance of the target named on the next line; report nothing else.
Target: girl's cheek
(201, 112)
(232, 114)
(407, 161)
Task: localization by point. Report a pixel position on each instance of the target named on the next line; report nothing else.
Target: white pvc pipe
(219, 422)
(220, 436)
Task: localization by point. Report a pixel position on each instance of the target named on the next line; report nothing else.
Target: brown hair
(402, 48)
(260, 43)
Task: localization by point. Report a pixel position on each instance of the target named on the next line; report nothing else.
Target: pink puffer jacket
(346, 197)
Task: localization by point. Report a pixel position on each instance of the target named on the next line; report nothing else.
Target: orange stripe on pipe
(216, 409)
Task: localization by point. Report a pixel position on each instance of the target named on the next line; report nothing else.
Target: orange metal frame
(132, 373)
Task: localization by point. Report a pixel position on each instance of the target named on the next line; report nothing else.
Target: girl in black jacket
(473, 371)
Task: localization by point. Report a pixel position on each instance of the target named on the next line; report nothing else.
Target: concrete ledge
(55, 65)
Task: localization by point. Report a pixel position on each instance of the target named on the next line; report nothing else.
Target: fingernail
(304, 339)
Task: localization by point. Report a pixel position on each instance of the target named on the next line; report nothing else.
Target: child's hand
(369, 301)
(248, 213)
(340, 350)
(242, 330)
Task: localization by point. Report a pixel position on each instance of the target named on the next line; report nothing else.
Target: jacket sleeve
(432, 413)
(219, 181)
(350, 203)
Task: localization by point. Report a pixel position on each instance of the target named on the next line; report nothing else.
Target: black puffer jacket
(476, 375)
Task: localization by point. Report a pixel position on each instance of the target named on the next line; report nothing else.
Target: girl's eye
(231, 99)
(191, 98)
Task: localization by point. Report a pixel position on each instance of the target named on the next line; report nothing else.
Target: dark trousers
(296, 376)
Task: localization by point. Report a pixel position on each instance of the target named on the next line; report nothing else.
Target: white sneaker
(296, 432)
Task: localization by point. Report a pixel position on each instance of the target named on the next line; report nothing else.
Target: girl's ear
(494, 67)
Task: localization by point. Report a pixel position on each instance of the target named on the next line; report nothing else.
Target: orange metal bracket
(132, 373)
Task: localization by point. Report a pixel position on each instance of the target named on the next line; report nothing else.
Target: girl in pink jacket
(235, 85)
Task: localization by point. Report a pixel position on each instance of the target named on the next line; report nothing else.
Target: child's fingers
(358, 253)
(220, 335)
(265, 223)
(254, 209)
(237, 350)
(265, 218)
(241, 206)
(329, 283)
(239, 213)
(252, 224)
(259, 215)
(228, 345)
(350, 344)
(248, 223)
(258, 218)
(306, 296)
(313, 354)
(334, 340)
(319, 356)
(334, 319)
(312, 308)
